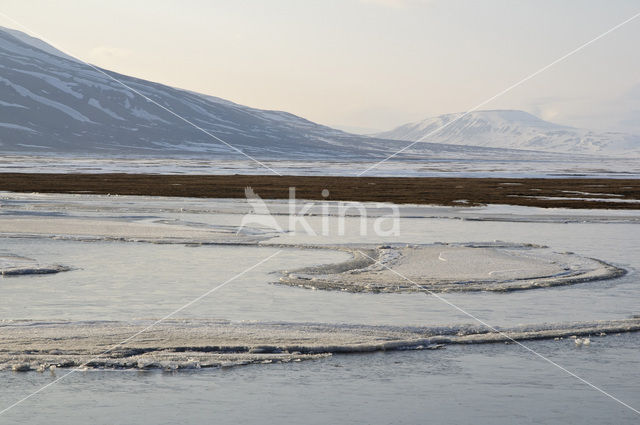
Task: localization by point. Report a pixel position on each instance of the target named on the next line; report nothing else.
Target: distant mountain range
(514, 129)
(53, 103)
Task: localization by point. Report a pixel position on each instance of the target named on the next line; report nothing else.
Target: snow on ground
(17, 127)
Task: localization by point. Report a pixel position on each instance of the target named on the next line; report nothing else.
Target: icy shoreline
(194, 344)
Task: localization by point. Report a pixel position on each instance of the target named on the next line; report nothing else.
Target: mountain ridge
(513, 129)
(52, 103)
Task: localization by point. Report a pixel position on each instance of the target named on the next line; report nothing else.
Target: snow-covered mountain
(514, 129)
(53, 103)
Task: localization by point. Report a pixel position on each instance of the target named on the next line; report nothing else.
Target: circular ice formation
(15, 265)
(453, 267)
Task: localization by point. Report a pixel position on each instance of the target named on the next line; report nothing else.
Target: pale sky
(364, 64)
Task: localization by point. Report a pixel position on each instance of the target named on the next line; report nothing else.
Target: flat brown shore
(546, 193)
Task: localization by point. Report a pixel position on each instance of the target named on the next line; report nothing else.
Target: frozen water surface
(494, 384)
(145, 257)
(534, 164)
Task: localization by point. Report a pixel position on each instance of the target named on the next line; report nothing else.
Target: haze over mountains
(52, 103)
(514, 129)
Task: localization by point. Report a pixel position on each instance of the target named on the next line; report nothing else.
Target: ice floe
(193, 344)
(15, 265)
(452, 267)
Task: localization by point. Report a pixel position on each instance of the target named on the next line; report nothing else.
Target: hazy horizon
(365, 65)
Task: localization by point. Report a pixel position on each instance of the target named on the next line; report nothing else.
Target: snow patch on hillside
(514, 129)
